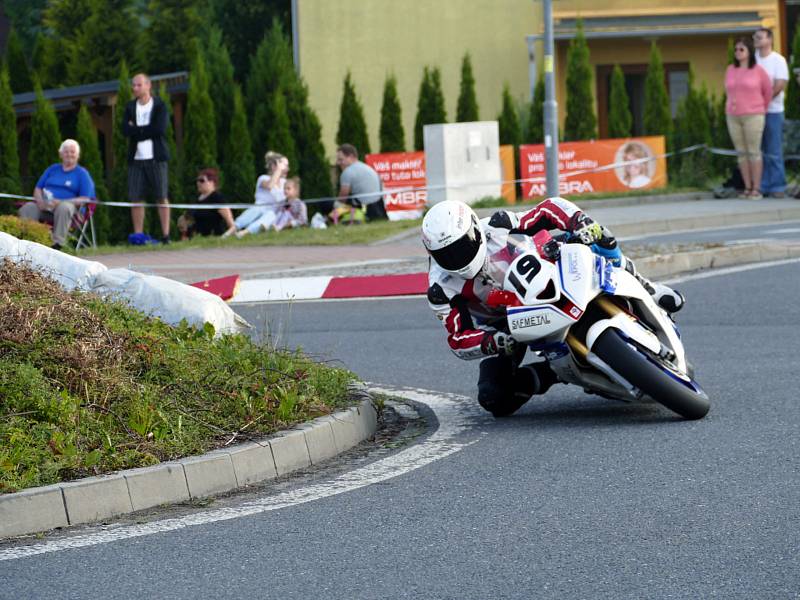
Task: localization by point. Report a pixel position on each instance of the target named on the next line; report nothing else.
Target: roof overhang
(719, 23)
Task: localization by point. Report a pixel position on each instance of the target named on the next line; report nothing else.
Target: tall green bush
(657, 115)
(508, 120)
(169, 42)
(467, 108)
(352, 125)
(792, 102)
(692, 127)
(430, 104)
(392, 135)
(238, 167)
(121, 224)
(580, 122)
(620, 119)
(174, 188)
(200, 139)
(272, 68)
(9, 154)
(535, 131)
(220, 87)
(45, 136)
(86, 136)
(62, 22)
(109, 35)
(18, 70)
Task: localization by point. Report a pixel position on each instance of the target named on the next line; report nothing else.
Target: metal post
(550, 104)
(295, 37)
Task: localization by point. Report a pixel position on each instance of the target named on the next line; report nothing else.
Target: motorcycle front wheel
(644, 373)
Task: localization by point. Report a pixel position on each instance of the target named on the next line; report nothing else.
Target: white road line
(787, 230)
(457, 415)
(730, 270)
(658, 234)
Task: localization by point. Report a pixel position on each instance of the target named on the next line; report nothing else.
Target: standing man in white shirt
(773, 181)
(145, 126)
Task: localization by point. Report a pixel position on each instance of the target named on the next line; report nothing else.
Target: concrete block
(290, 451)
(96, 498)
(160, 484)
(209, 474)
(30, 511)
(736, 255)
(346, 430)
(252, 463)
(319, 439)
(369, 418)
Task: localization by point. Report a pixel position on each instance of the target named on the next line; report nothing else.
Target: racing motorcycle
(595, 324)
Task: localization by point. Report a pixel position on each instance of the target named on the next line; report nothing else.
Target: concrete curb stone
(252, 462)
(32, 510)
(96, 498)
(290, 451)
(164, 483)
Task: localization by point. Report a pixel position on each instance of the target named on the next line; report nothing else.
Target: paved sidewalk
(626, 217)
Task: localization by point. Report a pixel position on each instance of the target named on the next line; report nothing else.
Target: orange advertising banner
(509, 188)
(401, 173)
(644, 166)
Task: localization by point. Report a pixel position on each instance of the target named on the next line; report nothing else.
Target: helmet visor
(460, 253)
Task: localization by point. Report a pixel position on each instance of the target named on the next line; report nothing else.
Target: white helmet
(454, 238)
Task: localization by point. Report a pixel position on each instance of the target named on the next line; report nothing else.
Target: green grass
(333, 236)
(90, 386)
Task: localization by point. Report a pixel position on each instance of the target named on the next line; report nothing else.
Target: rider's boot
(667, 298)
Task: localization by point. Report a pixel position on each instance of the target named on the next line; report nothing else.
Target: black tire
(651, 379)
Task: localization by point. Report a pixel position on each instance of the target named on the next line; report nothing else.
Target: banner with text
(400, 171)
(642, 171)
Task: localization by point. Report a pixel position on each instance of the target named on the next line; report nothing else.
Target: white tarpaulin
(170, 301)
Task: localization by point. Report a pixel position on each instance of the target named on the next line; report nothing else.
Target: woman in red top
(749, 92)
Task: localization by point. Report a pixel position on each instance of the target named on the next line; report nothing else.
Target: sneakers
(667, 298)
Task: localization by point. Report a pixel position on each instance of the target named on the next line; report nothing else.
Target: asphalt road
(573, 497)
(786, 231)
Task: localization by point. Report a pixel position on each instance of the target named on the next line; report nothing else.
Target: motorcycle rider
(459, 245)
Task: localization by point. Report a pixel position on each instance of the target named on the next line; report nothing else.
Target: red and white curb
(329, 287)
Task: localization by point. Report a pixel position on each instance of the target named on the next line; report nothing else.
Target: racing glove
(608, 248)
(586, 229)
(497, 342)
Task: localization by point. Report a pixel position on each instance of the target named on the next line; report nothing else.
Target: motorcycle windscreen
(577, 274)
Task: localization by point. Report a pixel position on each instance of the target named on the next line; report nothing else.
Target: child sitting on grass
(293, 213)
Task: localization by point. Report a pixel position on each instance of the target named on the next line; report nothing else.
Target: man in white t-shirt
(773, 181)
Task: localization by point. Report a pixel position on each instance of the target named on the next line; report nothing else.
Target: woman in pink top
(749, 92)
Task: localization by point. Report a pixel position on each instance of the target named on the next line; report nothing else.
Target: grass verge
(90, 386)
(341, 235)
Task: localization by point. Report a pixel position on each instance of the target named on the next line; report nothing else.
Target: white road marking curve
(730, 270)
(457, 415)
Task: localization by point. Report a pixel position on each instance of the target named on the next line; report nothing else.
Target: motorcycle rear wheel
(641, 371)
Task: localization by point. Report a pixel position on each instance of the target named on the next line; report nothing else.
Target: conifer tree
(535, 133)
(86, 136)
(508, 120)
(393, 138)
(580, 122)
(19, 73)
(200, 139)
(121, 217)
(467, 109)
(169, 41)
(720, 137)
(352, 125)
(109, 35)
(273, 120)
(793, 89)
(9, 155)
(620, 119)
(62, 20)
(272, 67)
(657, 113)
(175, 188)
(237, 159)
(430, 105)
(45, 135)
(692, 127)
(220, 86)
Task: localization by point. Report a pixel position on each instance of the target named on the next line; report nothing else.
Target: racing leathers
(477, 330)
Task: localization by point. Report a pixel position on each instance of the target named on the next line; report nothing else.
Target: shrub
(619, 112)
(25, 229)
(580, 122)
(352, 125)
(392, 134)
(657, 113)
(467, 108)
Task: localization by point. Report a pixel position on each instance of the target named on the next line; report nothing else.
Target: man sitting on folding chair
(61, 189)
